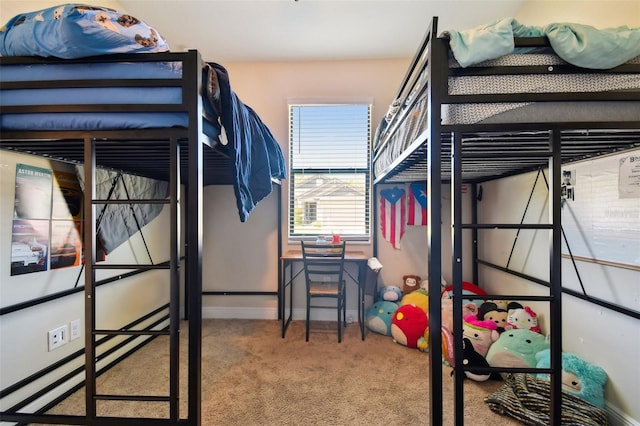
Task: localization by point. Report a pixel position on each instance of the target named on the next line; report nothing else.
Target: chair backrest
(323, 262)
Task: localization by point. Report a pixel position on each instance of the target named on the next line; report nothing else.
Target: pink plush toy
(522, 318)
(468, 308)
(481, 333)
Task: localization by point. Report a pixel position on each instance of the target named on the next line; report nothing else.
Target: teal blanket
(581, 45)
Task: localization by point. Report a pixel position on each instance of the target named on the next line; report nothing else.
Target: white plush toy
(522, 318)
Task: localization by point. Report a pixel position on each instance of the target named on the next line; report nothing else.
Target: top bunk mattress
(453, 114)
(112, 84)
(552, 82)
(98, 93)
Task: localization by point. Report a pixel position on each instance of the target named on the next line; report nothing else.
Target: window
(310, 209)
(329, 170)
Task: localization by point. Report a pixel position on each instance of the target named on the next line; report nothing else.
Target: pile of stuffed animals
(496, 333)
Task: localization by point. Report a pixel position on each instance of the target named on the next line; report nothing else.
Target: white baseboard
(223, 312)
(618, 418)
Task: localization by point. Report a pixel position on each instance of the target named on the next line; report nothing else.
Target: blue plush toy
(580, 378)
(378, 316)
(391, 293)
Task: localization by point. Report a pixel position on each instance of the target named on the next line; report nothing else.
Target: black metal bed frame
(180, 156)
(475, 153)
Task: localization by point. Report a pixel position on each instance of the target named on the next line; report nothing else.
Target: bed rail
(602, 121)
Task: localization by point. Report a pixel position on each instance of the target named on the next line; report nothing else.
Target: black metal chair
(324, 270)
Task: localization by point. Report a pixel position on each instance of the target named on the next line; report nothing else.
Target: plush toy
(378, 317)
(500, 304)
(410, 283)
(391, 293)
(468, 308)
(471, 358)
(424, 285)
(408, 325)
(495, 312)
(522, 318)
(447, 346)
(516, 348)
(423, 342)
(468, 289)
(419, 297)
(481, 334)
(580, 378)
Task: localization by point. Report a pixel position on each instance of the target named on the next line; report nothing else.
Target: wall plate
(58, 337)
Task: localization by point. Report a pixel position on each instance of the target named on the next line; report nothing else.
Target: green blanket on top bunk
(581, 45)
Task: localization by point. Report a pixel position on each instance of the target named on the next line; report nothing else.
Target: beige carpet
(251, 376)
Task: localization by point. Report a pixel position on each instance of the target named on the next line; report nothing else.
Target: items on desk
(374, 264)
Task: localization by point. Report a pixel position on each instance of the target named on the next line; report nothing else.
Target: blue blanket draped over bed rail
(256, 156)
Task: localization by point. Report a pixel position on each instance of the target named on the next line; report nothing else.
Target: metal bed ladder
(92, 333)
(555, 288)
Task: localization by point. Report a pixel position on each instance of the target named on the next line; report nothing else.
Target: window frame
(364, 237)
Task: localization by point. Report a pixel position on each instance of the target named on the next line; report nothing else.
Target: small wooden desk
(291, 257)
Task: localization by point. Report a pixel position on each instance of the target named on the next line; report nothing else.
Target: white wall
(266, 87)
(596, 334)
(23, 333)
(598, 13)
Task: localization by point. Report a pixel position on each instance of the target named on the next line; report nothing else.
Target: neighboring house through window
(329, 170)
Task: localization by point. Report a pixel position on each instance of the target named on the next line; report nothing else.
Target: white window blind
(329, 170)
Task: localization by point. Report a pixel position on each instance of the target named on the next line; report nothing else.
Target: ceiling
(290, 30)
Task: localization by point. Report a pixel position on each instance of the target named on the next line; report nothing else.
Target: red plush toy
(408, 325)
(467, 289)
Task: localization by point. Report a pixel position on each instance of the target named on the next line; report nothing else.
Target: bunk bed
(164, 116)
(497, 115)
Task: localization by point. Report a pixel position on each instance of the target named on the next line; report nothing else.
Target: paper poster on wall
(67, 196)
(33, 192)
(29, 246)
(629, 177)
(66, 244)
(31, 211)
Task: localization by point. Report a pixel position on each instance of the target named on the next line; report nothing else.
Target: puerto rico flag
(392, 214)
(417, 204)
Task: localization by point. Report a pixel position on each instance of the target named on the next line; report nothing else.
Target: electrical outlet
(58, 337)
(75, 329)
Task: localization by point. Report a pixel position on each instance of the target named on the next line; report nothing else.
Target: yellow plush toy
(419, 297)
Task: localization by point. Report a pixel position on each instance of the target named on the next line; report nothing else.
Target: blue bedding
(258, 156)
(91, 95)
(76, 31)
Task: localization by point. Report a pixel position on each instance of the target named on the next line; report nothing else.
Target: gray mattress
(493, 113)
